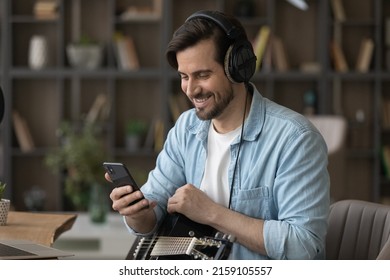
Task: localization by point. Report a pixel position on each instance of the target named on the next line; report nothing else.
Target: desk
(39, 227)
(90, 241)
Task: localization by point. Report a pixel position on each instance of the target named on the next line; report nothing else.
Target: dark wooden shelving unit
(61, 92)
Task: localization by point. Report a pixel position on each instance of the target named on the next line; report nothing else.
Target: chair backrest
(358, 230)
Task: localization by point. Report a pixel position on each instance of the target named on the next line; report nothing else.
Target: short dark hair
(195, 30)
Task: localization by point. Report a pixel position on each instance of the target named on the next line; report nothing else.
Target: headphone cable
(247, 88)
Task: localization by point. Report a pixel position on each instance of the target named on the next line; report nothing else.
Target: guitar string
(166, 245)
(163, 245)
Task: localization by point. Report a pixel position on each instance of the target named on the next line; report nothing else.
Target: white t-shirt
(215, 179)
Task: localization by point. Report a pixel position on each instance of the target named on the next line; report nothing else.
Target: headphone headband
(231, 31)
(240, 61)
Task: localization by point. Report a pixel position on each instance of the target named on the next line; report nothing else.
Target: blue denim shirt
(281, 177)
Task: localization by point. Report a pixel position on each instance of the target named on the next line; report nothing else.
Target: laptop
(26, 250)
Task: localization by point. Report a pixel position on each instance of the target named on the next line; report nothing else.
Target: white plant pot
(4, 209)
(85, 57)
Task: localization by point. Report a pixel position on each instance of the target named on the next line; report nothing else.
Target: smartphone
(120, 176)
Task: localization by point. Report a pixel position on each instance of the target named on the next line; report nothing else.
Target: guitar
(180, 238)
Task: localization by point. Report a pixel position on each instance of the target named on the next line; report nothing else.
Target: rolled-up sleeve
(301, 195)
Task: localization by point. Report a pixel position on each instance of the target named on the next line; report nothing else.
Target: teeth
(201, 99)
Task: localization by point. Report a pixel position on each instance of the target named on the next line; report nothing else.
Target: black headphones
(240, 60)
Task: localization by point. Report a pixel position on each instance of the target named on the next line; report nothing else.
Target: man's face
(204, 81)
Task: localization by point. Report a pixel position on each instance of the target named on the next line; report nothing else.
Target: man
(237, 162)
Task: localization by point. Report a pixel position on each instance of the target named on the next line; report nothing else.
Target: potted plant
(85, 54)
(4, 205)
(80, 158)
(135, 131)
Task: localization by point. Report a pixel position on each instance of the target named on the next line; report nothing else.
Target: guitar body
(180, 238)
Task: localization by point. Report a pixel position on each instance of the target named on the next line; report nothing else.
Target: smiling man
(237, 161)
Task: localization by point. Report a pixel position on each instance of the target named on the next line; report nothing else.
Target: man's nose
(193, 88)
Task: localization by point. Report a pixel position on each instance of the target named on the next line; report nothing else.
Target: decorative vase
(38, 52)
(98, 204)
(4, 209)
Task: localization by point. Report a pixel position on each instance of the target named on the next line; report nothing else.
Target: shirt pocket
(254, 202)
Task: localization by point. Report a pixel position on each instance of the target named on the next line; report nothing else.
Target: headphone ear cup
(240, 62)
(227, 64)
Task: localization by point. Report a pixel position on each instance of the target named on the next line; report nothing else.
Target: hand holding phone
(120, 176)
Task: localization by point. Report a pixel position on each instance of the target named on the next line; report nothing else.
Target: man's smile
(201, 101)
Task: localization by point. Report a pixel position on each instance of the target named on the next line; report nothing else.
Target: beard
(217, 109)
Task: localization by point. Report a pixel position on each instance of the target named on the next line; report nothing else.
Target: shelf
(354, 76)
(293, 76)
(356, 23)
(99, 73)
(59, 92)
(31, 20)
(144, 19)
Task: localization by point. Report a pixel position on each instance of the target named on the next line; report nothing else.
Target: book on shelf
(385, 113)
(158, 135)
(279, 55)
(143, 13)
(310, 67)
(365, 55)
(175, 110)
(45, 9)
(149, 138)
(387, 32)
(132, 53)
(338, 10)
(158, 7)
(154, 138)
(267, 62)
(100, 109)
(126, 52)
(260, 44)
(22, 132)
(385, 158)
(339, 61)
